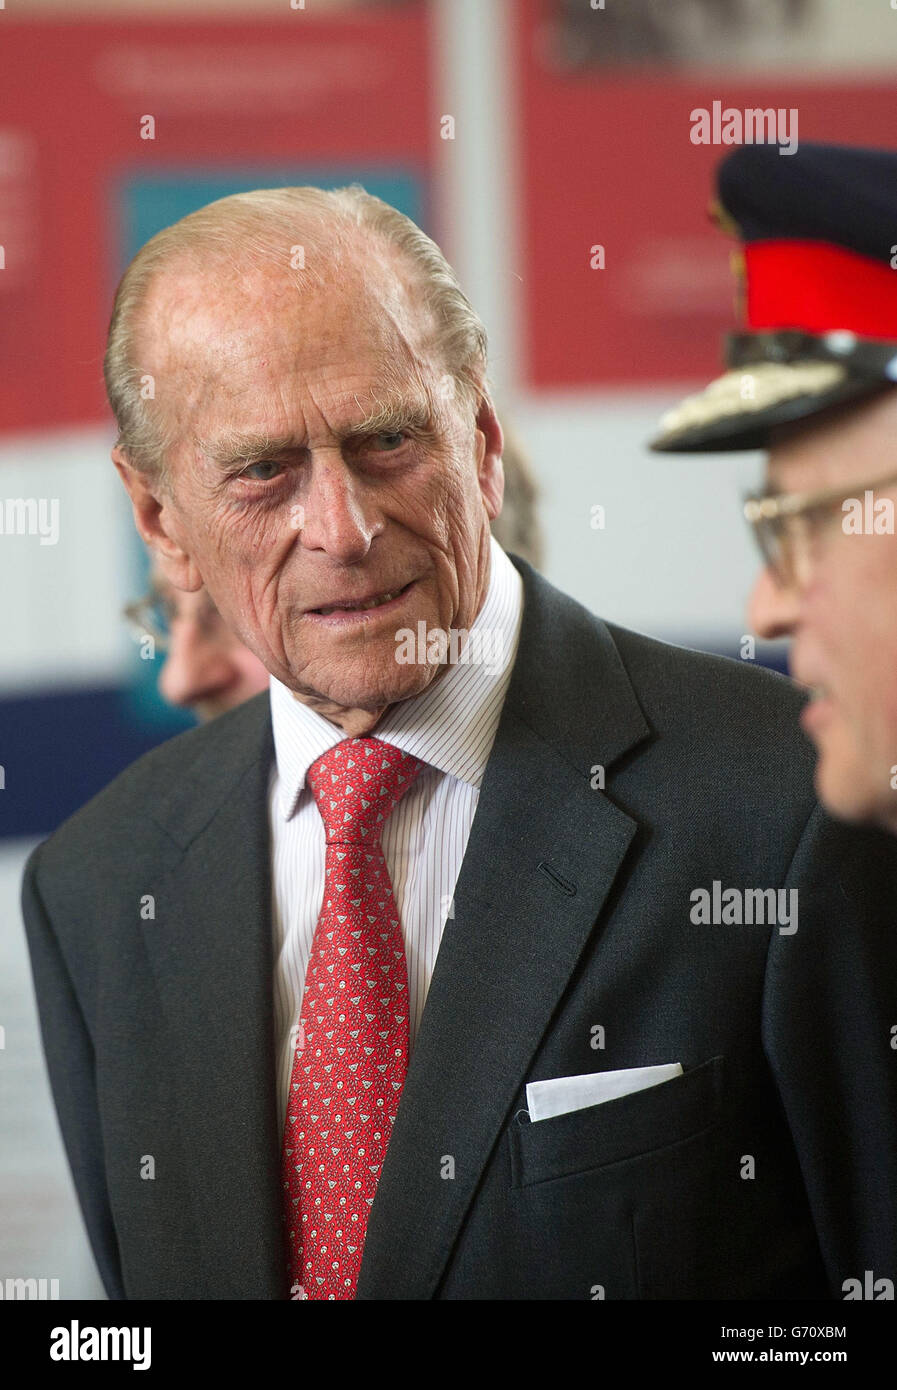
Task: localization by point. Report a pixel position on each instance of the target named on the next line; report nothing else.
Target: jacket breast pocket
(616, 1130)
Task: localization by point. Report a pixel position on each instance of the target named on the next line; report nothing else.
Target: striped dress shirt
(451, 727)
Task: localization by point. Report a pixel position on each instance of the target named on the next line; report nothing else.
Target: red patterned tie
(352, 1050)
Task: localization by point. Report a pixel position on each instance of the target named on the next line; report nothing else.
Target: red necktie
(352, 1051)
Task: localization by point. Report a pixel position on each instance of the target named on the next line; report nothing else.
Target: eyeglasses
(787, 525)
(153, 615)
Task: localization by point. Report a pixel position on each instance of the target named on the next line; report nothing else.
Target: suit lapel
(543, 854)
(211, 957)
(542, 857)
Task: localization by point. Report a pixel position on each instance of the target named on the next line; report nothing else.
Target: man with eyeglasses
(205, 666)
(812, 381)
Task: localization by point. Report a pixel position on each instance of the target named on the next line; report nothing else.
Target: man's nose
(772, 608)
(332, 516)
(197, 666)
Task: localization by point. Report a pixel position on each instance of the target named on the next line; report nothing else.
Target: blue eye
(389, 441)
(265, 465)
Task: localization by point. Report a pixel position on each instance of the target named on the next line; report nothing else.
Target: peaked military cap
(818, 270)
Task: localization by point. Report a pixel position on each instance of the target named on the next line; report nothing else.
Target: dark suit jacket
(572, 910)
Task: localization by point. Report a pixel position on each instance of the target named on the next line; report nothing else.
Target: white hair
(253, 228)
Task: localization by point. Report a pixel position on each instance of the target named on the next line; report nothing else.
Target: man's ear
(153, 518)
(490, 442)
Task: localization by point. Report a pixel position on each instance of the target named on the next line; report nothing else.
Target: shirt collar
(451, 725)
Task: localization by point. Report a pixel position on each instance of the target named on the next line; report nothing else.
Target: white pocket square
(545, 1099)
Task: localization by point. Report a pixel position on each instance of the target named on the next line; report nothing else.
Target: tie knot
(356, 784)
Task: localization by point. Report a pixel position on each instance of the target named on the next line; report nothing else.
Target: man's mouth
(361, 605)
(818, 711)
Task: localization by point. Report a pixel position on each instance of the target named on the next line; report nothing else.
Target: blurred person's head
(812, 381)
(318, 445)
(837, 599)
(205, 667)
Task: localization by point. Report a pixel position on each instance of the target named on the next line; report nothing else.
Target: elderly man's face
(843, 615)
(319, 527)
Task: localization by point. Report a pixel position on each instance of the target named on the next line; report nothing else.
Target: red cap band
(819, 287)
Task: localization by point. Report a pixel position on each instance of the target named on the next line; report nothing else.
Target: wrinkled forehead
(220, 325)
